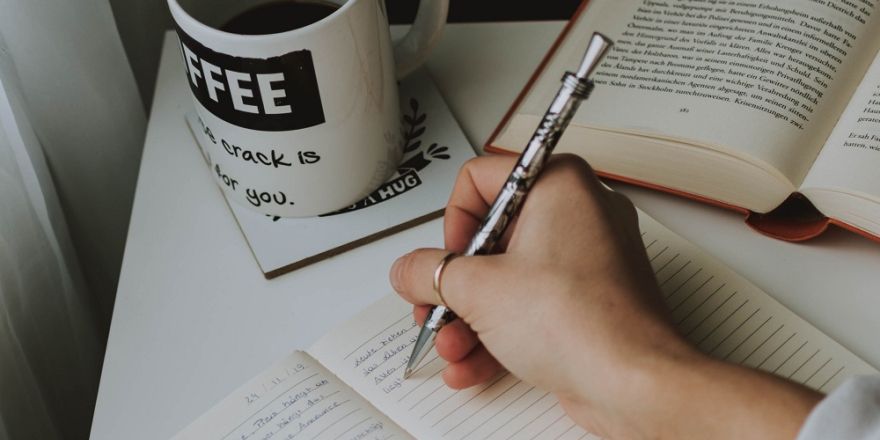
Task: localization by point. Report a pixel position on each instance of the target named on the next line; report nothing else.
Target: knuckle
(621, 201)
(466, 173)
(472, 162)
(468, 168)
(574, 164)
(573, 174)
(574, 170)
(623, 209)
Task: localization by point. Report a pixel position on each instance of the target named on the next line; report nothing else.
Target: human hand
(569, 304)
(572, 271)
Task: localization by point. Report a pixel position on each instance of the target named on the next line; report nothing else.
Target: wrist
(658, 394)
(634, 394)
(701, 397)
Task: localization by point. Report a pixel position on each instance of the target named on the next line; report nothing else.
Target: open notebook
(348, 386)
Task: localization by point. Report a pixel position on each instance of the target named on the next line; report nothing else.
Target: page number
(684, 110)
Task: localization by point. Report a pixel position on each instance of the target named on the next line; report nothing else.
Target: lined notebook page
(294, 399)
(718, 310)
(731, 319)
(370, 353)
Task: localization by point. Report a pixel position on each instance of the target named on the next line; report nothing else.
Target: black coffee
(278, 16)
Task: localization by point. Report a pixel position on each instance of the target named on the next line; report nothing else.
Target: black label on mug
(267, 94)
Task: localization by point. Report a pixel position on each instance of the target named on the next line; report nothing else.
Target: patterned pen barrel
(576, 87)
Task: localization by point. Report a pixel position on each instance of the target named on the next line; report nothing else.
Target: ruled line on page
(500, 410)
(491, 419)
(836, 373)
(804, 363)
(377, 335)
(438, 387)
(537, 434)
(659, 253)
(532, 420)
(683, 266)
(335, 422)
(515, 416)
(358, 423)
(693, 292)
(668, 262)
(700, 304)
(781, 326)
(702, 320)
(722, 322)
(680, 286)
(782, 344)
(735, 330)
(489, 386)
(425, 380)
(562, 434)
(441, 402)
(818, 370)
(790, 356)
(261, 409)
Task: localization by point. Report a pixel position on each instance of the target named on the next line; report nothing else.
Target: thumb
(462, 282)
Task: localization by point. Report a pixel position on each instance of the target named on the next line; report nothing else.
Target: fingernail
(396, 270)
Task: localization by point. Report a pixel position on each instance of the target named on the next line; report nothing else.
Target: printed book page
(722, 313)
(294, 399)
(781, 73)
(851, 157)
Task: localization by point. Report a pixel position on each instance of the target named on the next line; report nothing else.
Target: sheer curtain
(71, 129)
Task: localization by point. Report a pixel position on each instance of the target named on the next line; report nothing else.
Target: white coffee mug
(307, 121)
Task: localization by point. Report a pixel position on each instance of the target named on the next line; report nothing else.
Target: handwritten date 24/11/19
(270, 384)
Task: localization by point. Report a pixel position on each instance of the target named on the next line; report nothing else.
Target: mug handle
(412, 51)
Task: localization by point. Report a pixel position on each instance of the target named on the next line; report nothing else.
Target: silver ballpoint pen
(575, 88)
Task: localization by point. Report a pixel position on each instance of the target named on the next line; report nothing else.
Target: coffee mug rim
(177, 11)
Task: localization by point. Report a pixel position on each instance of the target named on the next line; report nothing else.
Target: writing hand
(571, 305)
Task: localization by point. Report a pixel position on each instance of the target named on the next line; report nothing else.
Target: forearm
(722, 400)
(697, 397)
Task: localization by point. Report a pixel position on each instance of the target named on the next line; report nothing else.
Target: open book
(349, 385)
(767, 107)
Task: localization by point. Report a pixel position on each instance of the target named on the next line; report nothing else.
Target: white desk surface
(194, 317)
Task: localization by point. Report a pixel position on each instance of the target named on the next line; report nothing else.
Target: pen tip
(407, 373)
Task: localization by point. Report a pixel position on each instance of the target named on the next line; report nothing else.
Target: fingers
(456, 341)
(420, 313)
(478, 367)
(476, 187)
(625, 210)
(412, 276)
(567, 182)
(469, 362)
